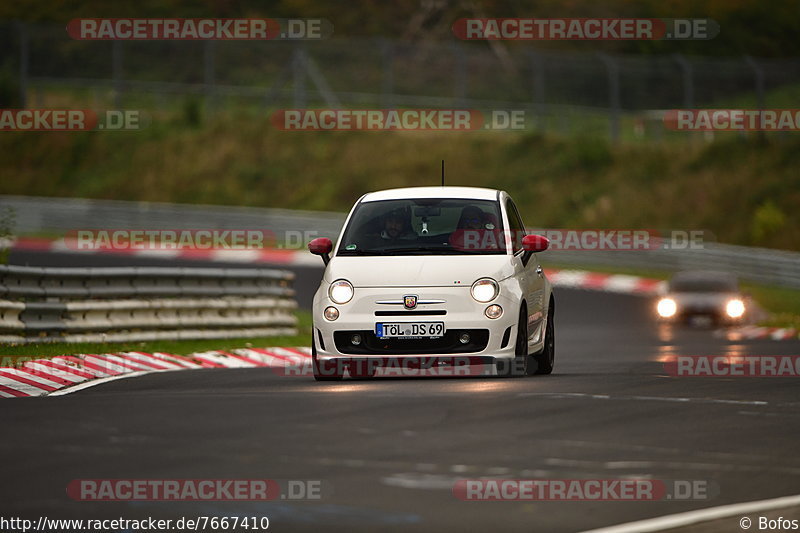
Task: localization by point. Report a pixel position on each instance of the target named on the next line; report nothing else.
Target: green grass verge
(742, 190)
(9, 352)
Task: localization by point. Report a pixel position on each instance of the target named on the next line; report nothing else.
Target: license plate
(409, 330)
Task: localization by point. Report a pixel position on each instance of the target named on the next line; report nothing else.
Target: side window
(515, 225)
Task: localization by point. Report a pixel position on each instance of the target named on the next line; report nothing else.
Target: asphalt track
(388, 451)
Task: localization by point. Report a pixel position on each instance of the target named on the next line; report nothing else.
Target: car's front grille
(448, 343)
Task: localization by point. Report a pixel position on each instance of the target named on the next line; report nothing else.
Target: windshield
(424, 226)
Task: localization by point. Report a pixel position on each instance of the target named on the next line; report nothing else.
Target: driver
(397, 226)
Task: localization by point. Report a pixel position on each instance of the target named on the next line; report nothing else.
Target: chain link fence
(566, 92)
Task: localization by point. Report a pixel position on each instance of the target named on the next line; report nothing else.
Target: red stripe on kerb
(14, 392)
(27, 381)
(65, 368)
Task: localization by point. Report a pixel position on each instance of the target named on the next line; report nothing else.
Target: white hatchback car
(433, 274)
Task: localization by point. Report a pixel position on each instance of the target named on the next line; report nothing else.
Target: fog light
(494, 311)
(355, 340)
(331, 313)
(463, 338)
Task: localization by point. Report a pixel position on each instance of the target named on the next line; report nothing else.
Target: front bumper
(460, 313)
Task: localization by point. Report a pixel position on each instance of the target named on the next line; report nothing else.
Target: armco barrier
(49, 215)
(137, 304)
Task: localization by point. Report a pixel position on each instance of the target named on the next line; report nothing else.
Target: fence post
(299, 77)
(387, 83)
(688, 80)
(612, 67)
(209, 74)
(538, 79)
(116, 72)
(24, 60)
(760, 97)
(459, 75)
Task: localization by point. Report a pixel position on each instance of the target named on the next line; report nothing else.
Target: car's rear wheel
(324, 370)
(544, 361)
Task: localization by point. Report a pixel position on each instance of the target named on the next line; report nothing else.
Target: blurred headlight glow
(341, 291)
(666, 307)
(484, 290)
(734, 308)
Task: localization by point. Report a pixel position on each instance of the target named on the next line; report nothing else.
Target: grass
(742, 190)
(9, 353)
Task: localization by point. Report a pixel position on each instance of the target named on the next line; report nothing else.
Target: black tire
(323, 371)
(544, 361)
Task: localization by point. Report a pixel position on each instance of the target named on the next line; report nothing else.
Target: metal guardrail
(139, 304)
(761, 265)
(56, 215)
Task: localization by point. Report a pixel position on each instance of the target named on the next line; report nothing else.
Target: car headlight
(734, 308)
(341, 291)
(666, 307)
(484, 290)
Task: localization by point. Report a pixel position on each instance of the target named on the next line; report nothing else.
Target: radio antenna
(442, 172)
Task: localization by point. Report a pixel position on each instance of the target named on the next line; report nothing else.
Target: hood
(418, 270)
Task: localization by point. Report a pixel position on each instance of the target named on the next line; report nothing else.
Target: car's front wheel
(543, 362)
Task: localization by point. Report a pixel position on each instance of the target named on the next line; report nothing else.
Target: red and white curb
(759, 332)
(65, 374)
(596, 281)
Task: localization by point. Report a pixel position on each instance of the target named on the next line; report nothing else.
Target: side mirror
(321, 246)
(535, 243)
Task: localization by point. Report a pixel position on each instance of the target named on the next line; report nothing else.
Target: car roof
(472, 193)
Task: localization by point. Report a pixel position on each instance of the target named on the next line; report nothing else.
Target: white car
(432, 274)
(694, 295)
